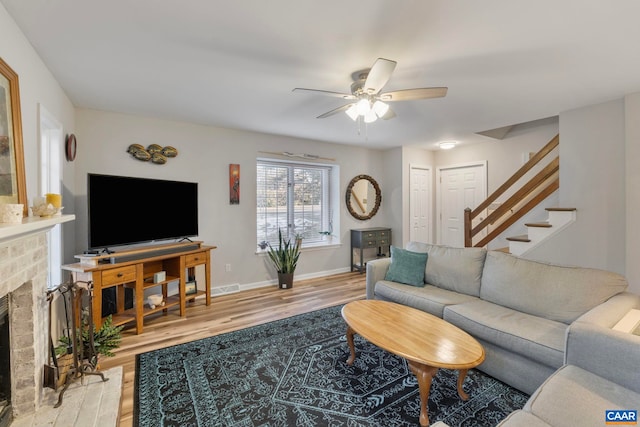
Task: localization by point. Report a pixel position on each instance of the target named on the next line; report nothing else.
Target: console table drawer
(370, 243)
(370, 235)
(118, 275)
(195, 259)
(384, 234)
(376, 235)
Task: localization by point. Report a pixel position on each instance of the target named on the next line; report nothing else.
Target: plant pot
(285, 280)
(65, 363)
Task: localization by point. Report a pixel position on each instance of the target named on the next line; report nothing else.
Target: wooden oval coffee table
(425, 341)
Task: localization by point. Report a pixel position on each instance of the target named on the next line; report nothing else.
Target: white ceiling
(233, 63)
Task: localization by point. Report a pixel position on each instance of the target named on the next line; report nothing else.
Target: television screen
(125, 210)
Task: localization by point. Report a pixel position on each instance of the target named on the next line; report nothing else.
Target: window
(50, 182)
(294, 198)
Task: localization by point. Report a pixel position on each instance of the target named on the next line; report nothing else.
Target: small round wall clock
(70, 147)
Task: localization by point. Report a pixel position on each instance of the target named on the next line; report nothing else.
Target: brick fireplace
(23, 278)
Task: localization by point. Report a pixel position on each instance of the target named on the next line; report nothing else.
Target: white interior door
(459, 187)
(420, 203)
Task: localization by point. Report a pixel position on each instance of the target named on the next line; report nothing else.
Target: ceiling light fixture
(366, 109)
(380, 108)
(447, 145)
(352, 112)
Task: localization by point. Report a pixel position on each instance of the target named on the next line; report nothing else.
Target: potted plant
(284, 259)
(105, 339)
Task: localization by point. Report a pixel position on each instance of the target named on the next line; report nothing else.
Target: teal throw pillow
(407, 267)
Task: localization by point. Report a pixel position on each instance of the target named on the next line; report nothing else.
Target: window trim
(330, 199)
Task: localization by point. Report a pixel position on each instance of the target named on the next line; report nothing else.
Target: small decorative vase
(285, 280)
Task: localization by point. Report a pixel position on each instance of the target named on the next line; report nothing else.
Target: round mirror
(363, 197)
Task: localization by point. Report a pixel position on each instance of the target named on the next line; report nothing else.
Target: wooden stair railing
(543, 184)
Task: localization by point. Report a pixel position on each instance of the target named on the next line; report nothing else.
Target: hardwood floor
(225, 314)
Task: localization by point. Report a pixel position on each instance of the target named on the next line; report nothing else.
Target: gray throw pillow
(407, 267)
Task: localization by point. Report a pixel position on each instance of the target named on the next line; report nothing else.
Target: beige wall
(592, 180)
(38, 88)
(504, 157)
(632, 182)
(204, 157)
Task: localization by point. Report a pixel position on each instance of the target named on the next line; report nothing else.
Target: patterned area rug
(293, 372)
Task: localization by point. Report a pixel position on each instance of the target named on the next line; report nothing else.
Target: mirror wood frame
(378, 201)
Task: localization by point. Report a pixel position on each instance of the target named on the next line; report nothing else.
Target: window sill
(308, 248)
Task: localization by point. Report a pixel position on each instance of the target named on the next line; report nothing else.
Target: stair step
(539, 224)
(523, 238)
(560, 209)
(505, 250)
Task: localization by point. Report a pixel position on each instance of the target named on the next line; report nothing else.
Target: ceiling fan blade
(334, 111)
(325, 92)
(411, 94)
(379, 75)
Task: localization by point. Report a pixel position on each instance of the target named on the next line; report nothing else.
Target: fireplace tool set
(76, 295)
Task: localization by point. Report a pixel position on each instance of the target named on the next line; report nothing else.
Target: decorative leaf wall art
(154, 153)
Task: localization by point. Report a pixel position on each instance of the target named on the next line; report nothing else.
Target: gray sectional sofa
(520, 310)
(602, 373)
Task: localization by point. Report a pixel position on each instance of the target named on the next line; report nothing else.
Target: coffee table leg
(352, 347)
(425, 375)
(462, 373)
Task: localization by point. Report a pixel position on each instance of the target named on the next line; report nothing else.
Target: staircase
(537, 232)
(480, 229)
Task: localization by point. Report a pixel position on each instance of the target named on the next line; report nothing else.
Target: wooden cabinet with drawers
(137, 270)
(368, 244)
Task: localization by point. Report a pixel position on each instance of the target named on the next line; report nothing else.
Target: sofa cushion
(573, 396)
(550, 291)
(534, 337)
(455, 269)
(407, 267)
(431, 299)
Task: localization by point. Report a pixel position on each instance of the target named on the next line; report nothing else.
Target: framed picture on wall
(234, 184)
(12, 176)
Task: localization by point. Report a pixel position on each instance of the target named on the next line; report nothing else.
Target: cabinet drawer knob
(120, 274)
(196, 259)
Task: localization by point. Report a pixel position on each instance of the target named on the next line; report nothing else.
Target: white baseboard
(237, 287)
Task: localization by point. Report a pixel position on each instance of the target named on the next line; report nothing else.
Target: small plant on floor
(105, 340)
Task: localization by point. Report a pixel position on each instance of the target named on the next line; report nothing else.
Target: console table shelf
(135, 270)
(172, 301)
(124, 317)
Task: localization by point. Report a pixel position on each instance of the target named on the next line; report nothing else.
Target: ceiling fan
(368, 100)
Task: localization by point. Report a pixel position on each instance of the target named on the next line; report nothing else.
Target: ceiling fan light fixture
(352, 112)
(447, 145)
(370, 117)
(380, 108)
(363, 107)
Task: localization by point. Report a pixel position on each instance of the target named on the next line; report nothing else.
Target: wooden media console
(136, 269)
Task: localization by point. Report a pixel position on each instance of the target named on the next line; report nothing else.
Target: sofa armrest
(610, 354)
(611, 311)
(376, 271)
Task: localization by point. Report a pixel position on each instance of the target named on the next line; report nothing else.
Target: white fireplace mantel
(30, 225)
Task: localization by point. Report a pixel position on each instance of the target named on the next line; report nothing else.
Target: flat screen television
(125, 210)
